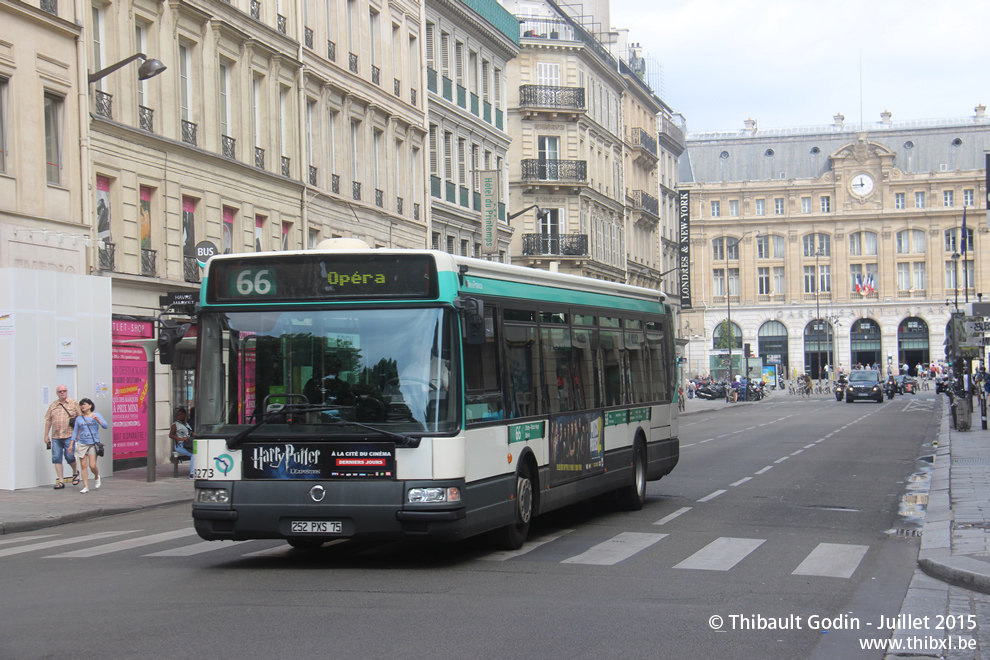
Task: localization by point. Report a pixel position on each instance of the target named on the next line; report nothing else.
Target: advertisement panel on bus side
(577, 446)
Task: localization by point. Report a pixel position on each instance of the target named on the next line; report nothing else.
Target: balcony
(462, 96)
(335, 184)
(566, 245)
(331, 51)
(475, 105)
(645, 146)
(550, 102)
(486, 108)
(228, 146)
(50, 7)
(398, 205)
(352, 62)
(255, 14)
(647, 205)
(412, 96)
(190, 269)
(356, 190)
(312, 175)
(451, 191)
(415, 210)
(379, 198)
(282, 23)
(431, 80)
(397, 87)
(104, 104)
(499, 121)
(146, 119)
(671, 133)
(149, 265)
(286, 166)
(555, 171)
(448, 88)
(436, 186)
(376, 75)
(106, 256)
(259, 158)
(309, 38)
(189, 132)
(465, 196)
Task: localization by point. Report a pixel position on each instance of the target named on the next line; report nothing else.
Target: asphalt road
(789, 508)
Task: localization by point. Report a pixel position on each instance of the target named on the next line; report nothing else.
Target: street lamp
(728, 300)
(149, 68)
(818, 313)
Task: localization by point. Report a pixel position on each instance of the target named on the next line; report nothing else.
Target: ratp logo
(224, 463)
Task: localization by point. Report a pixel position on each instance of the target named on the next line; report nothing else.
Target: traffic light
(169, 334)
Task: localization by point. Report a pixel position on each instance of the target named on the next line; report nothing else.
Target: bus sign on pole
(489, 211)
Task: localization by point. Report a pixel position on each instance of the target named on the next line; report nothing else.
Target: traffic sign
(977, 326)
(975, 341)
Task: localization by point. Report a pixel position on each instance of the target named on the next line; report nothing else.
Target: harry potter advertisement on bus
(576, 447)
(331, 460)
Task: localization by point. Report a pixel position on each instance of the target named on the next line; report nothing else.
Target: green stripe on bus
(639, 414)
(559, 296)
(616, 417)
(524, 432)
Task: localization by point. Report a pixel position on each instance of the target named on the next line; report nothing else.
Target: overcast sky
(791, 63)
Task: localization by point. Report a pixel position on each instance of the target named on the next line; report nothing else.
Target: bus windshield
(388, 368)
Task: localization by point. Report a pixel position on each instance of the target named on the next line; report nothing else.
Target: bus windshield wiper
(235, 441)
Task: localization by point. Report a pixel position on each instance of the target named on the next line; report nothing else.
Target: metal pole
(818, 314)
(728, 315)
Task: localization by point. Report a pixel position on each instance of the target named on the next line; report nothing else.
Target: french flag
(859, 283)
(870, 288)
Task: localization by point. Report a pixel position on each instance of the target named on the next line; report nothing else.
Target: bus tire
(633, 496)
(511, 537)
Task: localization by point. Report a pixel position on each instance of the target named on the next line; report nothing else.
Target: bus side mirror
(169, 334)
(473, 316)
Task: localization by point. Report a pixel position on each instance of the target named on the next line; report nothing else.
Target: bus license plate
(317, 527)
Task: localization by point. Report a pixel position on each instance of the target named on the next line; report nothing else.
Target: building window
(815, 242)
(779, 285)
(805, 205)
(826, 204)
(54, 106)
(779, 247)
(734, 208)
(718, 249)
(809, 279)
(952, 242)
(763, 280)
(919, 200)
(716, 209)
(778, 206)
(733, 281)
(903, 276)
(761, 207)
(824, 278)
(899, 201)
(718, 282)
(3, 124)
(968, 195)
(862, 243)
(920, 280)
(856, 277)
(948, 197)
(762, 247)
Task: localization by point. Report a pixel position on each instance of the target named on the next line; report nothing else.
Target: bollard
(964, 414)
(983, 411)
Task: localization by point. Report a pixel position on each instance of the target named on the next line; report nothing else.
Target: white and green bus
(390, 394)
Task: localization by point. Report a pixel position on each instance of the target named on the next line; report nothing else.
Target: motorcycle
(710, 392)
(840, 391)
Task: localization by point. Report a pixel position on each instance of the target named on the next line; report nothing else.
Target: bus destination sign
(322, 276)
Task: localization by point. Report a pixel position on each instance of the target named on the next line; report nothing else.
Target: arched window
(720, 338)
(863, 243)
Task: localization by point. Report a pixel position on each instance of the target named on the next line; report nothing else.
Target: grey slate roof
(803, 153)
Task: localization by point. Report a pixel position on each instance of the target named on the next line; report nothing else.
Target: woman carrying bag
(85, 435)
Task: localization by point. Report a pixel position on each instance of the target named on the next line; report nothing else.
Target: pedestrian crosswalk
(724, 553)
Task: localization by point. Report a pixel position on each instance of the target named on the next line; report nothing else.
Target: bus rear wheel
(633, 496)
(511, 537)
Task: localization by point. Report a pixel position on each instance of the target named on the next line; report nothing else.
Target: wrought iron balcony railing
(259, 158)
(286, 166)
(228, 146)
(104, 104)
(146, 119)
(50, 6)
(256, 10)
(189, 132)
(643, 201)
(376, 75)
(106, 256)
(397, 87)
(379, 198)
(555, 170)
(567, 245)
(282, 23)
(149, 266)
(412, 96)
(398, 205)
(352, 62)
(190, 269)
(356, 190)
(335, 184)
(309, 38)
(641, 139)
(551, 96)
(415, 210)
(312, 175)
(331, 51)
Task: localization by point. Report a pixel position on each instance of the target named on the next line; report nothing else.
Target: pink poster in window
(189, 227)
(227, 241)
(144, 221)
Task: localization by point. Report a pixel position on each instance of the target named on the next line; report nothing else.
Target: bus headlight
(420, 495)
(213, 495)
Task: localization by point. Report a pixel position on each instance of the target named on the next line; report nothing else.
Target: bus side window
(483, 393)
(637, 367)
(584, 345)
(612, 366)
(522, 378)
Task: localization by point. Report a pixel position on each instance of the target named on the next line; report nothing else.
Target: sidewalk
(127, 490)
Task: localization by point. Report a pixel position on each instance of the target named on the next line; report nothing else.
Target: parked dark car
(864, 384)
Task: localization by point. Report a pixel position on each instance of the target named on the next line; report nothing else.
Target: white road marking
(795, 453)
(675, 514)
(741, 481)
(781, 459)
(721, 554)
(832, 560)
(766, 469)
(196, 549)
(54, 544)
(528, 546)
(127, 545)
(26, 538)
(618, 548)
(711, 496)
